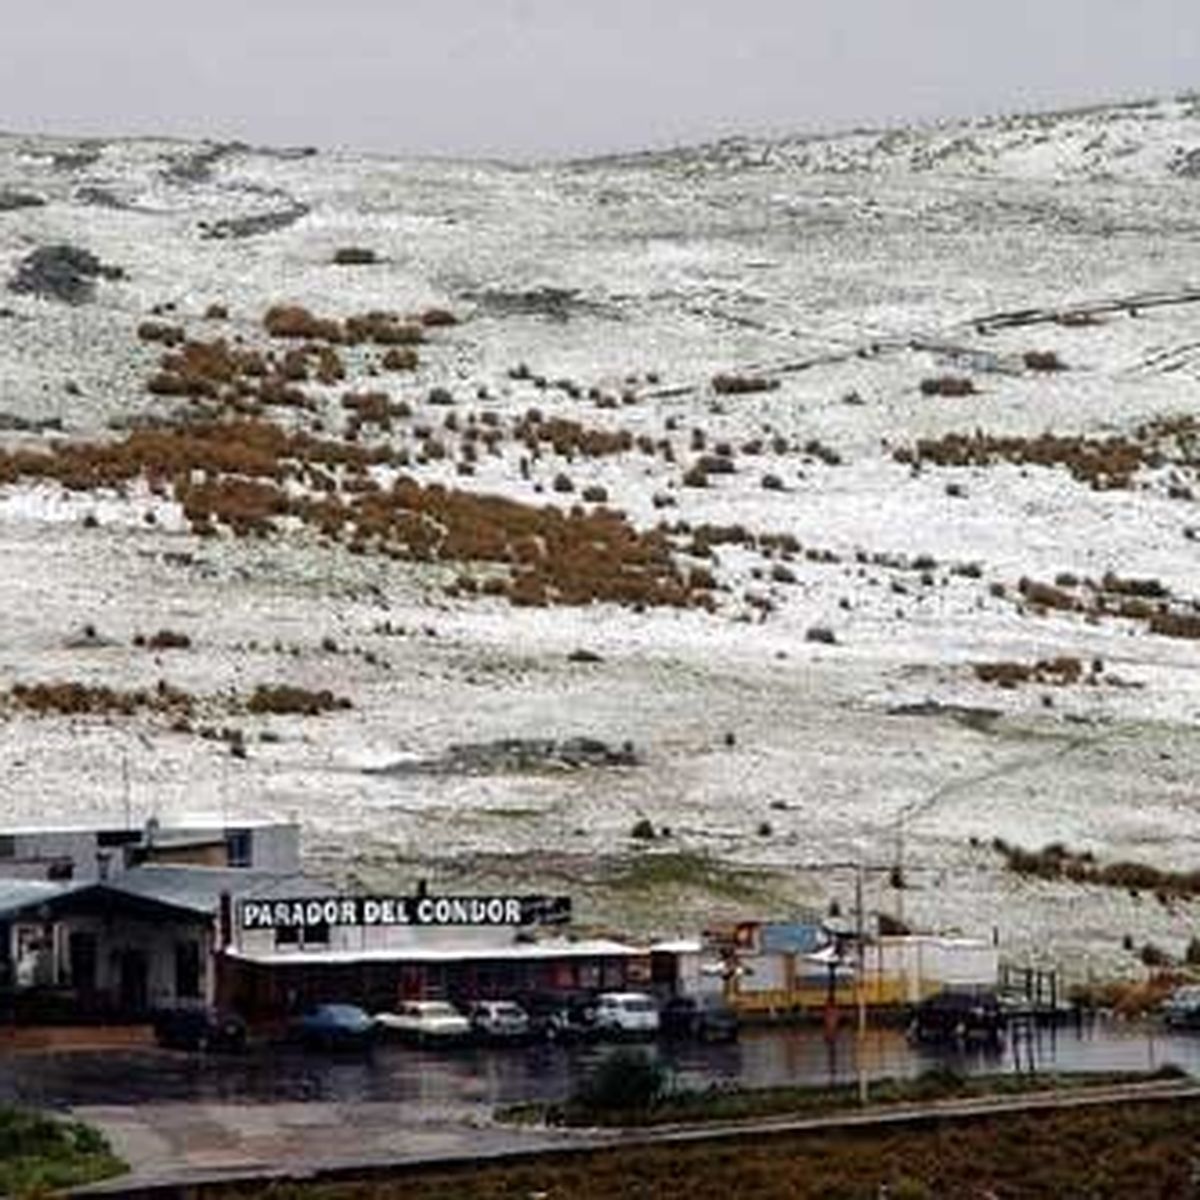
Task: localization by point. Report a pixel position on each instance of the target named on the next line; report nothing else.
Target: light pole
(859, 988)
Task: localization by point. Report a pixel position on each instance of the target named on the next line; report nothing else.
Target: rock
(584, 656)
(517, 755)
(10, 201)
(62, 272)
(254, 226)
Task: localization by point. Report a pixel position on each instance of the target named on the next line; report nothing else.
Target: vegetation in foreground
(1151, 1151)
(39, 1153)
(629, 1088)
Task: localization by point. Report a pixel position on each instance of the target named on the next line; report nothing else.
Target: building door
(134, 991)
(81, 953)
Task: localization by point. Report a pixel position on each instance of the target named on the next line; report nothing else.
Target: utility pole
(859, 988)
(125, 795)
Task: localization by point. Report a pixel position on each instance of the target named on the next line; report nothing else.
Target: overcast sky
(522, 78)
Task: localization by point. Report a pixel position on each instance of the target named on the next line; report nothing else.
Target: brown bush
(1176, 625)
(1108, 463)
(157, 331)
(400, 358)
(948, 385)
(295, 321)
(1061, 672)
(1043, 360)
(383, 329)
(286, 699)
(433, 318)
(1045, 595)
(168, 639)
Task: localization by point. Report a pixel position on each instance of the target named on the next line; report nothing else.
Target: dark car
(560, 1016)
(958, 1018)
(1181, 1010)
(199, 1029)
(334, 1027)
(705, 1018)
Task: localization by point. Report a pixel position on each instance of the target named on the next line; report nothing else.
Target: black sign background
(383, 911)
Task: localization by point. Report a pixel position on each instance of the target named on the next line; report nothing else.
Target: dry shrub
(383, 329)
(1148, 589)
(1060, 672)
(374, 408)
(81, 699)
(400, 358)
(1045, 595)
(737, 385)
(595, 494)
(216, 312)
(157, 331)
(1043, 360)
(1107, 463)
(433, 318)
(295, 321)
(1176, 625)
(286, 699)
(168, 639)
(354, 256)
(948, 385)
(566, 438)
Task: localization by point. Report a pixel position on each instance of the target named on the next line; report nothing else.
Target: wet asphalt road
(762, 1057)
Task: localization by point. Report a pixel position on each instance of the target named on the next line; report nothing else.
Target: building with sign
(96, 926)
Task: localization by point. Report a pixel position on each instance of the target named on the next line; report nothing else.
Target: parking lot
(485, 1076)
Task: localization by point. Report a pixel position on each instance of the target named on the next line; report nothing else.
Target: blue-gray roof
(18, 894)
(199, 889)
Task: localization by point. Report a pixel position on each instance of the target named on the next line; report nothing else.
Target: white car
(626, 1014)
(425, 1021)
(498, 1020)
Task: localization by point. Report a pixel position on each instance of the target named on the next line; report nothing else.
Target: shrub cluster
(1055, 861)
(1103, 463)
(1061, 672)
(283, 698)
(948, 385)
(69, 698)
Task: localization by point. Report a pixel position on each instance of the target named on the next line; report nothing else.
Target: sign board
(373, 911)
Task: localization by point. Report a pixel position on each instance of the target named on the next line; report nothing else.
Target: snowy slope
(844, 269)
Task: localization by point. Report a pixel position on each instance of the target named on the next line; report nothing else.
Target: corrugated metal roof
(513, 952)
(199, 889)
(16, 894)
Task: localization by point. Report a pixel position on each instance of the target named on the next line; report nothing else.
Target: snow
(736, 257)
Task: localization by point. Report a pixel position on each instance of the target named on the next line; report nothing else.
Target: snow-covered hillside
(816, 699)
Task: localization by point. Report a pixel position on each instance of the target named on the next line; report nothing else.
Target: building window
(239, 847)
(187, 970)
(287, 935)
(8, 846)
(316, 935)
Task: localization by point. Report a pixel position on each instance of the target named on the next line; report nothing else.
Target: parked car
(626, 1014)
(958, 1017)
(434, 1022)
(499, 1021)
(199, 1029)
(334, 1027)
(1181, 1009)
(706, 1018)
(560, 1017)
